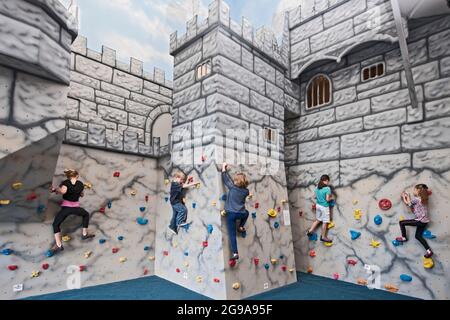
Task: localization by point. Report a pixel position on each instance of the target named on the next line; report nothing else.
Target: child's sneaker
(428, 254)
(235, 256)
(401, 239)
(87, 236)
(325, 240)
(171, 230)
(242, 229)
(184, 224)
(55, 249)
(308, 234)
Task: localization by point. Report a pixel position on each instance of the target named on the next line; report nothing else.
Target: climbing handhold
(216, 280)
(198, 279)
(203, 158)
(428, 263)
(177, 270)
(41, 208)
(165, 253)
(336, 276)
(428, 235)
(186, 226)
(283, 202)
(385, 204)
(276, 225)
(355, 202)
(313, 236)
(430, 192)
(210, 228)
(115, 250)
(66, 238)
(35, 274)
(49, 254)
(213, 203)
(405, 277)
(267, 266)
(223, 197)
(88, 185)
(300, 213)
(102, 210)
(309, 270)
(355, 234)
(236, 285)
(190, 179)
(273, 261)
(146, 248)
(330, 225)
(151, 258)
(283, 268)
(205, 244)
(166, 199)
(101, 241)
(401, 218)
(45, 266)
(145, 271)
(313, 207)
(312, 253)
(357, 214)
(18, 287)
(256, 205)
(186, 264)
(116, 174)
(198, 185)
(374, 243)
(194, 205)
(232, 262)
(256, 261)
(133, 192)
(17, 185)
(142, 221)
(5, 202)
(361, 281)
(250, 196)
(109, 204)
(281, 256)
(186, 253)
(390, 287)
(279, 209)
(87, 254)
(378, 220)
(253, 215)
(328, 244)
(291, 270)
(223, 213)
(32, 196)
(12, 267)
(146, 198)
(7, 252)
(122, 259)
(352, 262)
(397, 243)
(82, 268)
(166, 181)
(272, 213)
(120, 238)
(175, 244)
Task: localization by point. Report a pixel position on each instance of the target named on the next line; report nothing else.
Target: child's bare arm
(60, 190)
(188, 185)
(224, 167)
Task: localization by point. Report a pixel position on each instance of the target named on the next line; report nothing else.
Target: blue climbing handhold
(146, 248)
(254, 215)
(7, 252)
(120, 238)
(141, 221)
(194, 205)
(102, 241)
(223, 197)
(186, 253)
(244, 234)
(332, 203)
(354, 234)
(428, 235)
(397, 243)
(49, 254)
(313, 236)
(281, 257)
(210, 228)
(267, 266)
(40, 208)
(276, 225)
(109, 204)
(166, 199)
(405, 277)
(142, 209)
(378, 220)
(186, 226)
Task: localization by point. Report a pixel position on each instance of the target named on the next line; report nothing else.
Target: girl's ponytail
(323, 178)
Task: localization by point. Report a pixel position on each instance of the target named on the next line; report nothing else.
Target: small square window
(203, 69)
(373, 71)
(270, 135)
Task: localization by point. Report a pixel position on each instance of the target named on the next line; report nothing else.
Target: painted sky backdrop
(141, 28)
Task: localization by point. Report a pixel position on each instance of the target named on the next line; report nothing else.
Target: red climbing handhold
(190, 179)
(13, 267)
(313, 207)
(279, 209)
(336, 276)
(31, 196)
(300, 213)
(102, 210)
(115, 250)
(166, 253)
(145, 271)
(116, 174)
(385, 204)
(284, 268)
(232, 262)
(429, 192)
(146, 198)
(45, 266)
(203, 158)
(82, 268)
(216, 280)
(205, 244)
(178, 270)
(256, 261)
(352, 262)
(312, 253)
(256, 205)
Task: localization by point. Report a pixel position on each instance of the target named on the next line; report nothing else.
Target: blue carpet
(308, 287)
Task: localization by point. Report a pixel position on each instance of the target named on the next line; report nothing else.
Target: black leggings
(67, 211)
(419, 231)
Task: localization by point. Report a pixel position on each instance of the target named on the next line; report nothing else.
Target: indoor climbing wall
(374, 145)
(120, 195)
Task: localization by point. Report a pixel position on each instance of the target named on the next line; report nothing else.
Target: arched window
(318, 91)
(162, 127)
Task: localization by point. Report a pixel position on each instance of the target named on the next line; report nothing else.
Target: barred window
(373, 71)
(270, 135)
(318, 91)
(203, 69)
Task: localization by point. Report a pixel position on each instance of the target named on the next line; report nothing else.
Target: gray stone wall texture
(112, 105)
(370, 140)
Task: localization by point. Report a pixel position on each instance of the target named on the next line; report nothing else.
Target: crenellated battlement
(219, 14)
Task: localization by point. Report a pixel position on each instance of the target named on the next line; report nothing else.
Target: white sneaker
(184, 224)
(171, 230)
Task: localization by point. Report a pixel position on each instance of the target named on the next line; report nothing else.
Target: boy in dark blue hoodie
(235, 205)
(177, 191)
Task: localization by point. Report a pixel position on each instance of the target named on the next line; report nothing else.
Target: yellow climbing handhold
(213, 203)
(133, 192)
(236, 285)
(198, 279)
(428, 263)
(330, 225)
(250, 196)
(291, 270)
(122, 259)
(17, 185)
(401, 218)
(35, 274)
(151, 258)
(328, 244)
(272, 213)
(273, 261)
(87, 254)
(5, 202)
(375, 244)
(166, 181)
(66, 238)
(283, 202)
(198, 185)
(223, 213)
(390, 287)
(88, 185)
(357, 214)
(355, 202)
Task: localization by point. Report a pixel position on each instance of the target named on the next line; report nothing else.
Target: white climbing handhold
(87, 254)
(122, 259)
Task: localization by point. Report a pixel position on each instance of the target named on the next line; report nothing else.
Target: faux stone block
(187, 65)
(393, 100)
(307, 30)
(291, 104)
(76, 136)
(96, 135)
(94, 55)
(254, 116)
(437, 108)
(346, 11)
(109, 96)
(309, 174)
(385, 119)
(136, 67)
(342, 127)
(219, 123)
(114, 140)
(426, 135)
(278, 111)
(332, 36)
(219, 102)
(185, 81)
(310, 152)
(54, 58)
(78, 125)
(437, 89)
(247, 59)
(6, 84)
(108, 56)
(85, 80)
(389, 87)
(220, 84)
(188, 52)
(88, 111)
(73, 107)
(311, 120)
(374, 142)
(292, 88)
(192, 111)
(130, 141)
(439, 44)
(378, 82)
(166, 92)
(261, 103)
(417, 55)
(302, 136)
(437, 160)
(93, 69)
(188, 95)
(352, 110)
(423, 73)
(344, 96)
(127, 81)
(152, 86)
(264, 69)
(136, 97)
(112, 114)
(79, 45)
(346, 77)
(291, 153)
(136, 120)
(445, 66)
(300, 50)
(157, 96)
(274, 93)
(116, 90)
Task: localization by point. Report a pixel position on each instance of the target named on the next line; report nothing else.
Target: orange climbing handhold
(390, 287)
(312, 253)
(115, 250)
(309, 270)
(362, 281)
